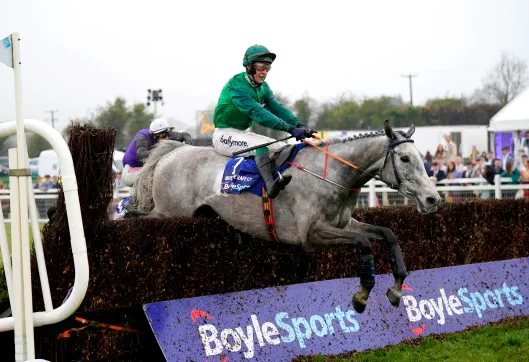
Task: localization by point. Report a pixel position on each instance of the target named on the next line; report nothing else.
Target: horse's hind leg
(396, 260)
(324, 235)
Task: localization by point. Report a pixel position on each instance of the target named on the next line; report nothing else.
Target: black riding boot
(266, 168)
(285, 180)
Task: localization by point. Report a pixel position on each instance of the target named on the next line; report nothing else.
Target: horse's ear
(411, 131)
(389, 131)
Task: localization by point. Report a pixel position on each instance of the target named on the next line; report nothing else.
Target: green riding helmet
(257, 53)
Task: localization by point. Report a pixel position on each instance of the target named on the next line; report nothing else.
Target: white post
(18, 295)
(22, 176)
(39, 250)
(497, 186)
(372, 194)
(385, 198)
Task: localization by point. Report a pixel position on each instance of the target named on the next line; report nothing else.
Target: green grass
(504, 341)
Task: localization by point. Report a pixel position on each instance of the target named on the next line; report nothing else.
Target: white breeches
(229, 140)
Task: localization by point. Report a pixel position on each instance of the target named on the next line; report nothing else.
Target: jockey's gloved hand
(308, 131)
(298, 132)
(301, 125)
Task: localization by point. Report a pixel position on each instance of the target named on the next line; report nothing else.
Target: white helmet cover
(159, 125)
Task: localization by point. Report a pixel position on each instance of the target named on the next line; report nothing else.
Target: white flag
(6, 51)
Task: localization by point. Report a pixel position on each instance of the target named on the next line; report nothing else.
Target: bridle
(391, 151)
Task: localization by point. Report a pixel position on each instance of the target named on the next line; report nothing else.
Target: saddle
(241, 175)
(280, 156)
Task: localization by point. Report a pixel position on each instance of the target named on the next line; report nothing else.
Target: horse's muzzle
(430, 204)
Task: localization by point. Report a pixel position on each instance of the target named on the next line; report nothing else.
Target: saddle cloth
(241, 174)
(120, 210)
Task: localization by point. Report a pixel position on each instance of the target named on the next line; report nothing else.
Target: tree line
(499, 86)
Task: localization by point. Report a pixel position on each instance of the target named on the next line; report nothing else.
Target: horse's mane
(335, 140)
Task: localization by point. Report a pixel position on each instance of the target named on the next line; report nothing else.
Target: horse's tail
(143, 200)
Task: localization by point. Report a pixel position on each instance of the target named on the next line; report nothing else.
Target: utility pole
(409, 76)
(52, 117)
(154, 96)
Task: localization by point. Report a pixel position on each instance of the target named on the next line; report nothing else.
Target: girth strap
(268, 214)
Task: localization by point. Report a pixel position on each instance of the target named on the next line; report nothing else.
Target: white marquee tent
(514, 116)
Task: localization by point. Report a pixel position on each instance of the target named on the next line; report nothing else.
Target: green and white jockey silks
(241, 103)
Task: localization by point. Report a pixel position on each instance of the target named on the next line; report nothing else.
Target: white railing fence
(374, 193)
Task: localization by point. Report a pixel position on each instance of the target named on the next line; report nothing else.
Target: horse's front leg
(398, 267)
(324, 235)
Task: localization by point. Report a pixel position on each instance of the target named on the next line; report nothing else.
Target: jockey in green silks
(246, 99)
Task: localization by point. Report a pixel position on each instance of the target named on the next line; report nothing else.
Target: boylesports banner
(278, 324)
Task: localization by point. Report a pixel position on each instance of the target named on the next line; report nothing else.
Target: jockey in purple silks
(141, 144)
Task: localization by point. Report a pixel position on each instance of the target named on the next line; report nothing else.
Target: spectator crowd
(447, 163)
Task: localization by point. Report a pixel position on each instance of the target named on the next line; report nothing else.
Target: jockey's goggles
(164, 134)
(262, 66)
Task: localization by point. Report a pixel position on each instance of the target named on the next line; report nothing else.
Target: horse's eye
(405, 159)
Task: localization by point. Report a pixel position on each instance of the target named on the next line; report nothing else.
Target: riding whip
(270, 143)
(259, 146)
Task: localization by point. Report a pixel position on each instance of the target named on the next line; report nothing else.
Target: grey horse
(179, 180)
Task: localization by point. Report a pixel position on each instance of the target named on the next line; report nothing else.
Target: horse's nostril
(431, 200)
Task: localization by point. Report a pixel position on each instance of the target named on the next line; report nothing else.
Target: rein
(324, 178)
(391, 150)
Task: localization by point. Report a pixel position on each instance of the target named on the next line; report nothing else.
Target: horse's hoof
(393, 296)
(358, 304)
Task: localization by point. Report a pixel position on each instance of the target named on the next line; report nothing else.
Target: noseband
(391, 151)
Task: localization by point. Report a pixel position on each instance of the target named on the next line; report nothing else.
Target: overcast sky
(77, 55)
